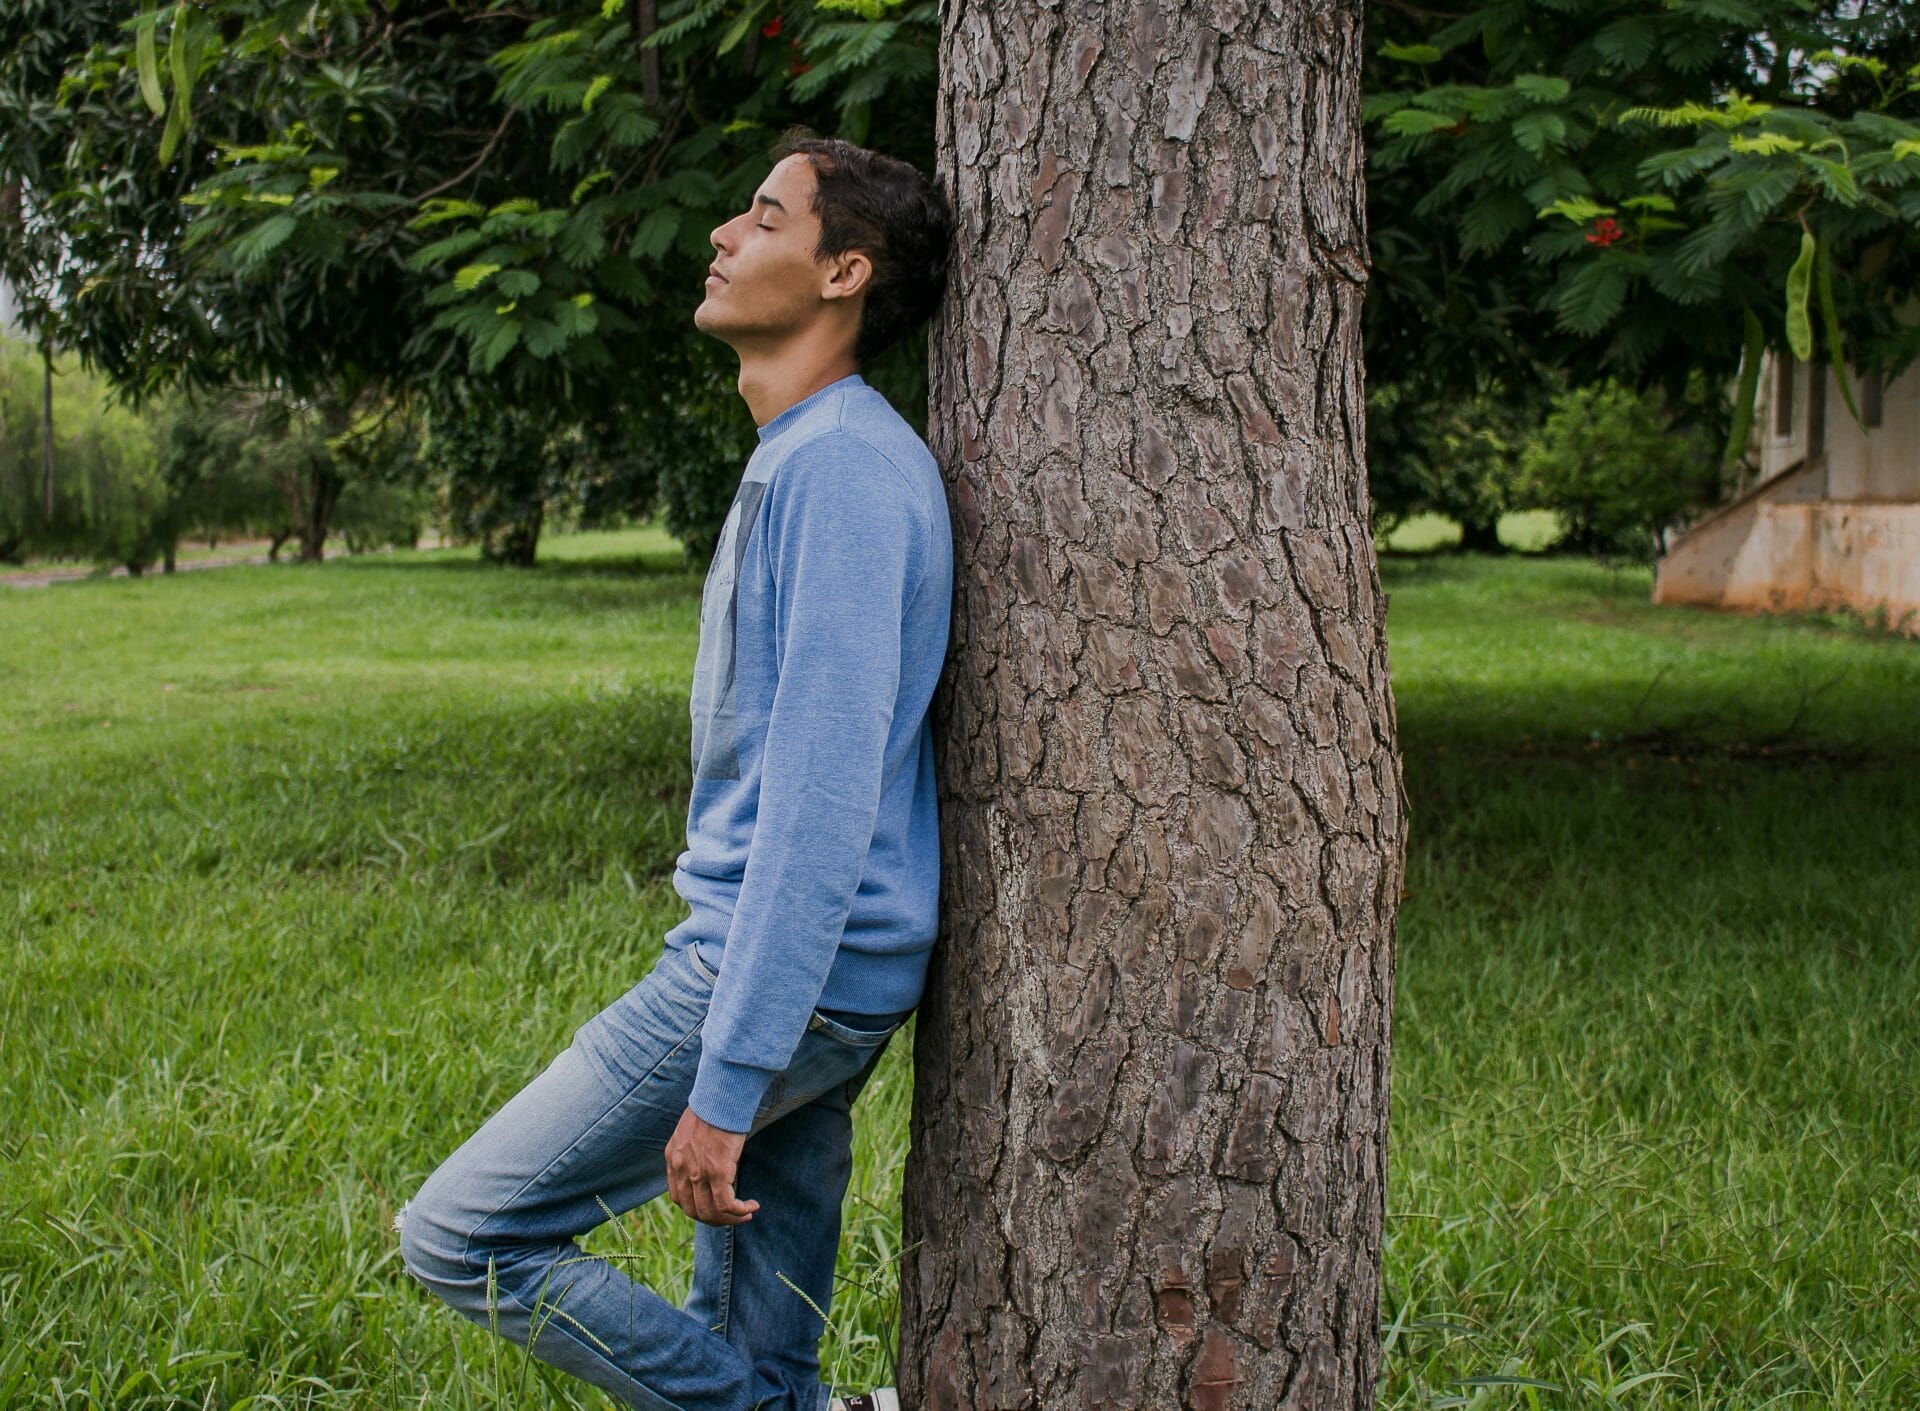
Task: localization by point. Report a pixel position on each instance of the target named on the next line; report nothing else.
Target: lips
(715, 274)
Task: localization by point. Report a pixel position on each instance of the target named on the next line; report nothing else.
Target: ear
(848, 276)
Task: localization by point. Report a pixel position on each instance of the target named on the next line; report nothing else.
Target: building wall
(9, 309)
(1883, 462)
(1843, 532)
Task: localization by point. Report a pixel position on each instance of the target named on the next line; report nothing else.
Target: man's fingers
(719, 1206)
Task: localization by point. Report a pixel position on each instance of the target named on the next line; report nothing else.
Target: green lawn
(1526, 530)
(305, 869)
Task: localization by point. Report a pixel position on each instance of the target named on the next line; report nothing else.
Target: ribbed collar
(793, 413)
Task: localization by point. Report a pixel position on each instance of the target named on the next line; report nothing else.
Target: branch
(472, 167)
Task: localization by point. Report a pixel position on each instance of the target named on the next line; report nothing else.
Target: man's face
(769, 286)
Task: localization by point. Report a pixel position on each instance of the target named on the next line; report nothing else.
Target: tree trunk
(1481, 537)
(1148, 1160)
(521, 542)
(323, 493)
(46, 419)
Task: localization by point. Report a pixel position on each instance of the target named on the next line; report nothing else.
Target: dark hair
(891, 213)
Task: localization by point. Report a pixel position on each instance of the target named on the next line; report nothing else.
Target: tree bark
(46, 422)
(322, 494)
(1149, 1156)
(1481, 537)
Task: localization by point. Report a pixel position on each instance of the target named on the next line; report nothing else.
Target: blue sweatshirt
(812, 865)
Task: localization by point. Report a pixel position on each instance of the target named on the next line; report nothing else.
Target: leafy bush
(497, 470)
(1620, 468)
(1458, 459)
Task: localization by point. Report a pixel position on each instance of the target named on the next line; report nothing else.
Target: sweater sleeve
(844, 541)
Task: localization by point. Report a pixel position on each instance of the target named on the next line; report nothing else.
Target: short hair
(889, 211)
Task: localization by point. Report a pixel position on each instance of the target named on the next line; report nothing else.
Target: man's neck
(771, 385)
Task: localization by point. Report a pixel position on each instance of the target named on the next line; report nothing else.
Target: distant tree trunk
(323, 487)
(1481, 537)
(521, 543)
(46, 421)
(167, 556)
(280, 537)
(1149, 1134)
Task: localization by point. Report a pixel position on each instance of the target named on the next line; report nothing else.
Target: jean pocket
(830, 1053)
(847, 1034)
(699, 965)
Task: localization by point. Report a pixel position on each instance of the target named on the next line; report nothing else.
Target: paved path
(41, 577)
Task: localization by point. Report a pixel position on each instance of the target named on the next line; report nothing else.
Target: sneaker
(879, 1399)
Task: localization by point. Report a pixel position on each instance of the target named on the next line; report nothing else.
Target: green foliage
(1799, 281)
(1748, 390)
(500, 469)
(1600, 187)
(411, 201)
(110, 498)
(1618, 469)
(218, 466)
(1461, 461)
(590, 159)
(376, 514)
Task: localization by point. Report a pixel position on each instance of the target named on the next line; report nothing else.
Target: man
(725, 1078)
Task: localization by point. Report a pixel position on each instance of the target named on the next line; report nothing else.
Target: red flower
(771, 27)
(1605, 231)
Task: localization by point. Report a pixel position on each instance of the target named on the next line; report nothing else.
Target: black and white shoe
(879, 1399)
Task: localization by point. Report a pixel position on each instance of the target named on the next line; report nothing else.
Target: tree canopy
(427, 196)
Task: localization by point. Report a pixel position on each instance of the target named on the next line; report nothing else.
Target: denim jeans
(586, 1140)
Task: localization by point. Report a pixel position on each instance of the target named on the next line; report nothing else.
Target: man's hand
(701, 1163)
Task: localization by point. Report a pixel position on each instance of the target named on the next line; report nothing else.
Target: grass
(308, 868)
(1526, 530)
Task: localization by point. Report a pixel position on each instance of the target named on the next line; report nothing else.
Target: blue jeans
(586, 1140)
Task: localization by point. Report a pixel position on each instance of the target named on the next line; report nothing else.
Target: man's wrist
(726, 1094)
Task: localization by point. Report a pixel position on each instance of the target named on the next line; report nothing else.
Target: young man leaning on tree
(726, 1077)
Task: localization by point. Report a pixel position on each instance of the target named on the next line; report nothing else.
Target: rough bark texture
(1150, 1111)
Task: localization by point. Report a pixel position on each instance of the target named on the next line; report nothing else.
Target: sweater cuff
(726, 1094)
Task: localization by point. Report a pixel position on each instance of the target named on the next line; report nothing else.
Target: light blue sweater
(812, 864)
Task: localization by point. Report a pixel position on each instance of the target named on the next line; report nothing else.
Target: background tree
(1460, 460)
(1619, 468)
(421, 192)
(1625, 188)
(499, 472)
(219, 484)
(110, 502)
(418, 194)
(1149, 1130)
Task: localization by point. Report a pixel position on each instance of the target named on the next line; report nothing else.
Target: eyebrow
(769, 201)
